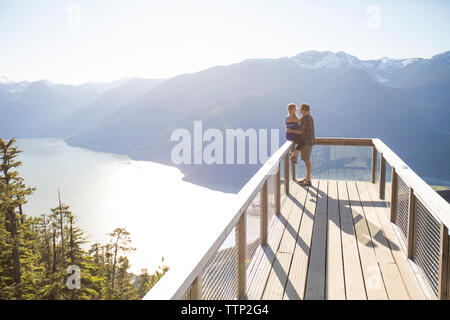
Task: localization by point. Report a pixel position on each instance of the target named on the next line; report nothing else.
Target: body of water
(165, 215)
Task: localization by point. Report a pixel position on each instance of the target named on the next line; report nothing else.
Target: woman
(293, 132)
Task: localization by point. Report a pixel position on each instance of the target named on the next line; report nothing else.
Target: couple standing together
(300, 130)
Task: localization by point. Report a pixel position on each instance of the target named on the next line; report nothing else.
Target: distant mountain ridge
(405, 102)
(384, 70)
(47, 109)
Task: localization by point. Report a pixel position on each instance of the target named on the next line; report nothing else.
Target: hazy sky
(77, 41)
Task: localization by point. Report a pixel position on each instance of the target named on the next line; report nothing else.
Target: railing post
(374, 163)
(411, 224)
(448, 269)
(196, 290)
(443, 264)
(286, 174)
(293, 166)
(263, 217)
(241, 239)
(278, 191)
(382, 176)
(394, 187)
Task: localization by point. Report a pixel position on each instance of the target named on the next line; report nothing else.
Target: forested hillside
(40, 256)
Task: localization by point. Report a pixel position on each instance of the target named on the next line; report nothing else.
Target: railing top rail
(437, 205)
(345, 141)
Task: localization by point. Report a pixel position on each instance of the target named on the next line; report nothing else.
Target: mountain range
(405, 102)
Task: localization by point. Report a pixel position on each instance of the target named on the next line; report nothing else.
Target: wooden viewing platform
(347, 239)
(333, 240)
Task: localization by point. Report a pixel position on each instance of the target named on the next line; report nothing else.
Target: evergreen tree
(146, 281)
(13, 193)
(36, 251)
(120, 242)
(60, 218)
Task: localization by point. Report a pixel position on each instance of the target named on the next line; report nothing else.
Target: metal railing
(224, 269)
(422, 216)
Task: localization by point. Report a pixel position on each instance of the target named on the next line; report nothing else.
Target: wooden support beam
(394, 190)
(411, 224)
(344, 142)
(286, 174)
(443, 293)
(196, 289)
(448, 270)
(382, 179)
(241, 240)
(374, 164)
(263, 216)
(278, 191)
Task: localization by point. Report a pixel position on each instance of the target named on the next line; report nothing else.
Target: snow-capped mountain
(405, 102)
(385, 70)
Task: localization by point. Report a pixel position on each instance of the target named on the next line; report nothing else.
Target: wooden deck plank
(410, 280)
(315, 281)
(289, 238)
(275, 232)
(333, 241)
(373, 279)
(335, 284)
(295, 288)
(283, 253)
(392, 278)
(354, 281)
(379, 239)
(267, 254)
(278, 277)
(253, 267)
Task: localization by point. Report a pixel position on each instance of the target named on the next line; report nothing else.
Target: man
(307, 132)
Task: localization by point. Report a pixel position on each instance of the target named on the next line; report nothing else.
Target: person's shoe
(306, 183)
(302, 181)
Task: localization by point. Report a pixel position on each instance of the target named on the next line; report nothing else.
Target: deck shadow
(379, 236)
(281, 275)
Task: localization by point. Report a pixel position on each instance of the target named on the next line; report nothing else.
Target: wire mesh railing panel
(282, 187)
(388, 188)
(427, 245)
(271, 198)
(401, 210)
(220, 277)
(377, 171)
(253, 217)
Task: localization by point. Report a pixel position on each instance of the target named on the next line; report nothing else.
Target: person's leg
(299, 141)
(308, 170)
(306, 157)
